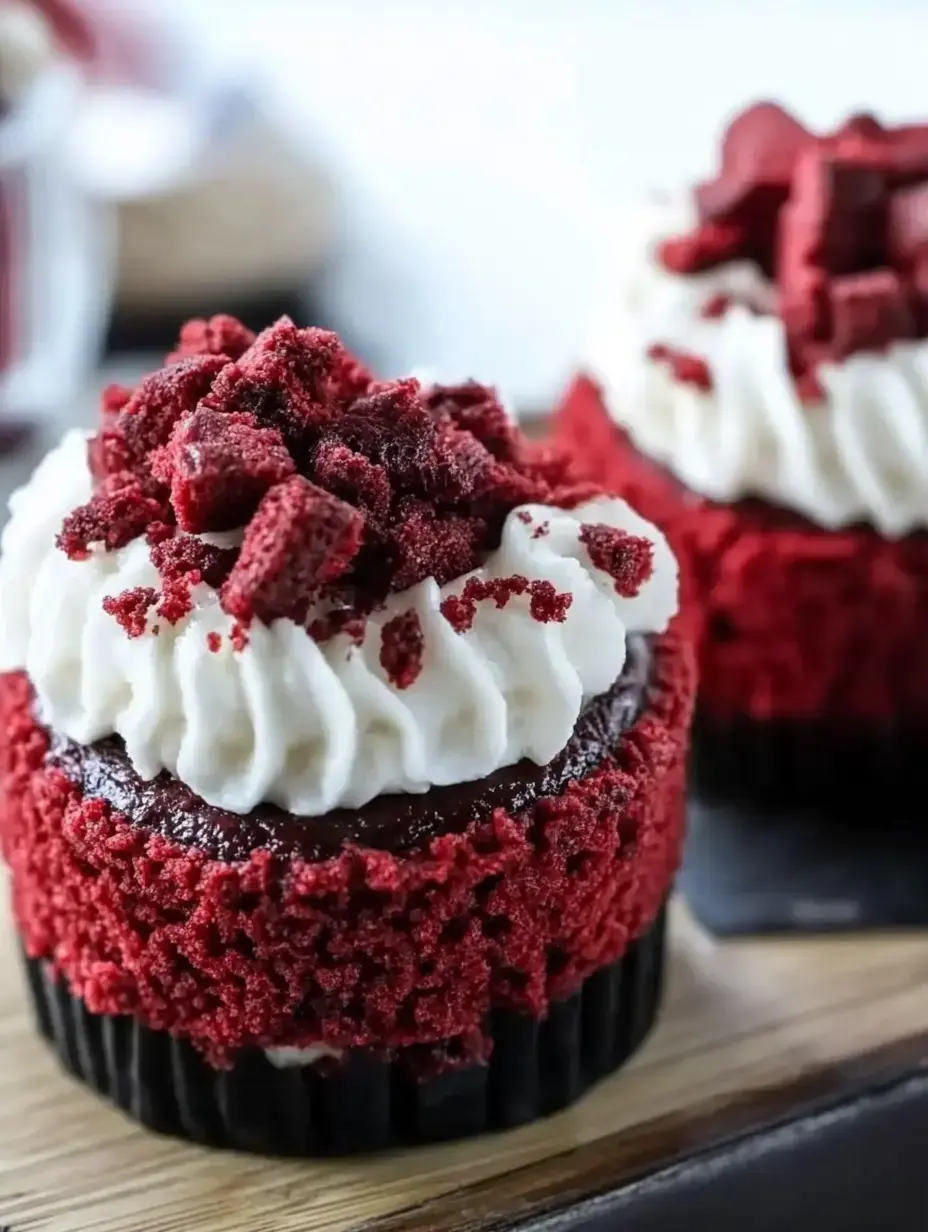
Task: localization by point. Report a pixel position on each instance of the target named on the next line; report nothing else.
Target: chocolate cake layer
(390, 823)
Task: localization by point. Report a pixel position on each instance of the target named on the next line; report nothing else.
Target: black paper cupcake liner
(837, 768)
(361, 1102)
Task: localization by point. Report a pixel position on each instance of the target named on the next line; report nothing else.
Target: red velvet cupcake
(342, 774)
(759, 387)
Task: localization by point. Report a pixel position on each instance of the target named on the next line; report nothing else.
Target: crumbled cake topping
(545, 603)
(348, 489)
(401, 650)
(686, 368)
(838, 222)
(628, 559)
(130, 609)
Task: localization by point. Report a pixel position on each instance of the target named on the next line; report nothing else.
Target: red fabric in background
(792, 621)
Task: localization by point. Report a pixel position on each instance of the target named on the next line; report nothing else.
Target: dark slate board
(750, 870)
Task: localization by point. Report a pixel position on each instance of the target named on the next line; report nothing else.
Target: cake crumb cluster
(628, 559)
(838, 222)
(545, 603)
(686, 368)
(342, 489)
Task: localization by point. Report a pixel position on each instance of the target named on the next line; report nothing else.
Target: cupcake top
(284, 581)
(767, 335)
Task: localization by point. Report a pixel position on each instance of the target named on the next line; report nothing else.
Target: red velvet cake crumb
(837, 221)
(118, 512)
(218, 465)
(687, 369)
(158, 532)
(285, 380)
(545, 603)
(183, 561)
(301, 539)
(214, 642)
(126, 441)
(131, 608)
(176, 596)
(476, 409)
(349, 621)
(460, 610)
(364, 949)
(429, 546)
(401, 649)
(114, 398)
(354, 478)
(182, 555)
(716, 306)
(347, 489)
(711, 245)
(220, 335)
(628, 559)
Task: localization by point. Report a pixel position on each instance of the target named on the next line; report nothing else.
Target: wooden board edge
(555, 1184)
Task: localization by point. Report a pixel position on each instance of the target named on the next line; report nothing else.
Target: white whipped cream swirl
(314, 727)
(862, 455)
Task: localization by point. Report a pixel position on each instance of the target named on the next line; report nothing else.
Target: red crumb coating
(113, 398)
(131, 607)
(792, 620)
(220, 335)
(364, 949)
(218, 465)
(300, 540)
(685, 368)
(128, 436)
(348, 620)
(180, 555)
(120, 510)
(354, 478)
(837, 221)
(401, 649)
(177, 597)
(709, 245)
(237, 431)
(716, 306)
(628, 559)
(545, 603)
(475, 409)
(427, 545)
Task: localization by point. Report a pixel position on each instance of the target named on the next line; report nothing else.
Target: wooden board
(750, 1030)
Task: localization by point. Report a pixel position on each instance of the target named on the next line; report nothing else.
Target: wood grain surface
(751, 1030)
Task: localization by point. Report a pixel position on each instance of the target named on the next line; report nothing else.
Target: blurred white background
(481, 149)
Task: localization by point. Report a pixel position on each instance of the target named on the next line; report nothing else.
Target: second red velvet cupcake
(341, 780)
(758, 386)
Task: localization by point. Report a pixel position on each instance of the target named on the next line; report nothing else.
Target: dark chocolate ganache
(400, 822)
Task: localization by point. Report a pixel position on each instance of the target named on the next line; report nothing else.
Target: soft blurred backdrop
(439, 179)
